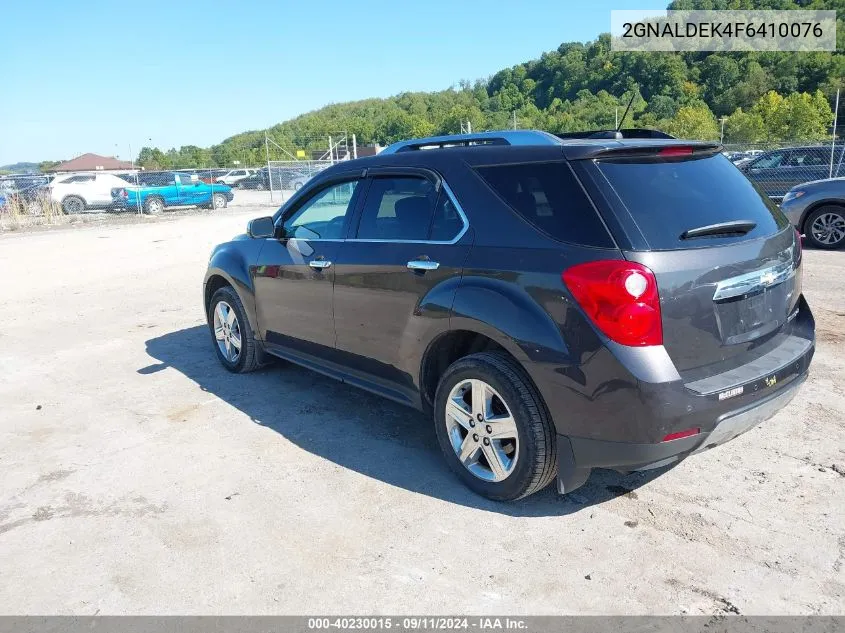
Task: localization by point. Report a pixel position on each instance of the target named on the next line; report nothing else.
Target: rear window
(549, 197)
(671, 196)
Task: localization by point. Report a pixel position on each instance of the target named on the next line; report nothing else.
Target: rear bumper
(578, 456)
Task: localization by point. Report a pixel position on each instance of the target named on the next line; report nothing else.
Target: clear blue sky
(99, 75)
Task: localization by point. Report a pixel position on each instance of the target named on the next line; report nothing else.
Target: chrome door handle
(319, 264)
(423, 264)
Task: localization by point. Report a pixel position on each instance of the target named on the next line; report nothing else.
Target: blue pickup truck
(155, 191)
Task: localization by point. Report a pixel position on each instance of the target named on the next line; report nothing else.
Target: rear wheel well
(815, 207)
(444, 351)
(214, 283)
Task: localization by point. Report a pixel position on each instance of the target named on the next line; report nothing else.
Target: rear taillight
(621, 298)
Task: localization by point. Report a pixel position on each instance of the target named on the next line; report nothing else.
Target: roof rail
(502, 137)
(634, 132)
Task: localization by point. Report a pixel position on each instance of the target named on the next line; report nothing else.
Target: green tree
(693, 122)
(745, 127)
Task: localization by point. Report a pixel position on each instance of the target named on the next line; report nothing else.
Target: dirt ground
(140, 477)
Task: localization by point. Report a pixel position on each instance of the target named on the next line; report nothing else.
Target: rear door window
(670, 196)
(548, 196)
(398, 209)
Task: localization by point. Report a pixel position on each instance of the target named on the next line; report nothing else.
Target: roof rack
(634, 132)
(503, 137)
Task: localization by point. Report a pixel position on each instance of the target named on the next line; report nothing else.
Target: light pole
(722, 133)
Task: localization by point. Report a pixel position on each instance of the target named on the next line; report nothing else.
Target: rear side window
(669, 197)
(549, 197)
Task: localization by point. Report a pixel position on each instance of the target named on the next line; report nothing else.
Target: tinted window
(447, 223)
(668, 197)
(79, 178)
(550, 198)
(808, 157)
(157, 179)
(323, 216)
(398, 209)
(772, 160)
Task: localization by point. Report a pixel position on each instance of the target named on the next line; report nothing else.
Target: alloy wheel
(219, 201)
(482, 430)
(227, 331)
(829, 228)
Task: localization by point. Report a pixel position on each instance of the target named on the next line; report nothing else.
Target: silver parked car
(817, 209)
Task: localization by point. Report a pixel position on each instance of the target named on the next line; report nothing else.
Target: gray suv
(554, 305)
(817, 209)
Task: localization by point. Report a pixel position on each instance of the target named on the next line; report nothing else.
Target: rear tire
(153, 205)
(529, 461)
(825, 227)
(73, 204)
(226, 308)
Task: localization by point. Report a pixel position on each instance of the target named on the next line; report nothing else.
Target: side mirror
(260, 228)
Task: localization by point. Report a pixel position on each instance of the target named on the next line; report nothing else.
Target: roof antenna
(619, 125)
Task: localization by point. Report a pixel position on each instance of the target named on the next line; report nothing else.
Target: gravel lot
(140, 477)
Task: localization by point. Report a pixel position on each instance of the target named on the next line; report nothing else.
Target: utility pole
(616, 121)
(722, 133)
(269, 172)
(833, 139)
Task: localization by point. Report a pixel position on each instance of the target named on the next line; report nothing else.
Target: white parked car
(80, 192)
(234, 176)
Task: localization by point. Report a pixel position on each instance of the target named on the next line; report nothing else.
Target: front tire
(231, 334)
(493, 427)
(218, 201)
(825, 227)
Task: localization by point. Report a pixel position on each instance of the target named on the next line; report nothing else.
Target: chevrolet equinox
(554, 304)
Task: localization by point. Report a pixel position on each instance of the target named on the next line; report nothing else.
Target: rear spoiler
(634, 132)
(661, 151)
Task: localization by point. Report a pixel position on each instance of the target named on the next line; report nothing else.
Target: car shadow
(374, 436)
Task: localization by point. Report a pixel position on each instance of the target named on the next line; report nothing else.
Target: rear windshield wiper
(734, 227)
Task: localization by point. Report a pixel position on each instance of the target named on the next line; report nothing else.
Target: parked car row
(738, 157)
(98, 191)
(29, 192)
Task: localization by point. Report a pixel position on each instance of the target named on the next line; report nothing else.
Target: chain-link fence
(284, 178)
